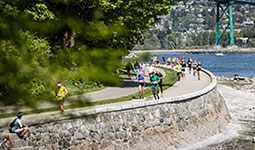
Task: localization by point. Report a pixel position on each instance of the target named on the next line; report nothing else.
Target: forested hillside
(192, 23)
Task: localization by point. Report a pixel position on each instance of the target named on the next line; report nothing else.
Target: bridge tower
(224, 7)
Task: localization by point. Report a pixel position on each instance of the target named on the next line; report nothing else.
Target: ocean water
(226, 65)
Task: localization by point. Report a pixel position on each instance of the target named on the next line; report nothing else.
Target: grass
(82, 88)
(168, 81)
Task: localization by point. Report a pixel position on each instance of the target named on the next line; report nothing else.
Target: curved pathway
(187, 85)
(127, 88)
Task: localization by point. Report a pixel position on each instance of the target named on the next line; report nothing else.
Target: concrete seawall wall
(164, 124)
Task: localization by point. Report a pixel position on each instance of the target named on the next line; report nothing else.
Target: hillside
(189, 21)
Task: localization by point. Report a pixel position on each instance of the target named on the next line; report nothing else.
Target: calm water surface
(227, 65)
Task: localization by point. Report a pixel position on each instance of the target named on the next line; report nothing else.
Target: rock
(94, 146)
(18, 143)
(79, 136)
(65, 142)
(85, 144)
(38, 136)
(98, 119)
(105, 142)
(1, 129)
(83, 128)
(67, 134)
(74, 148)
(23, 148)
(10, 136)
(67, 126)
(72, 131)
(78, 123)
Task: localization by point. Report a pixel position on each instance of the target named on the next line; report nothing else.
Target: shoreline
(194, 51)
(244, 84)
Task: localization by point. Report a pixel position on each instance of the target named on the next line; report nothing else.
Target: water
(227, 65)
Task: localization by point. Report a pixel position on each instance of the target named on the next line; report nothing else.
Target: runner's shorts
(141, 84)
(154, 89)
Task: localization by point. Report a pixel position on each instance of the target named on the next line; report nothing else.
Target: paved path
(128, 87)
(186, 85)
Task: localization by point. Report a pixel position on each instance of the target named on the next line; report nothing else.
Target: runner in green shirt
(154, 84)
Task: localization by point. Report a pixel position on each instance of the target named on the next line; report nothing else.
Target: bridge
(224, 7)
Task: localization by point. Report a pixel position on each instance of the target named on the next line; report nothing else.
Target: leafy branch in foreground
(46, 41)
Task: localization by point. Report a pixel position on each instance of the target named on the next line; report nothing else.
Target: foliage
(168, 81)
(46, 41)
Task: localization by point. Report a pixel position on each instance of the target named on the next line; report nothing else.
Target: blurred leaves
(46, 41)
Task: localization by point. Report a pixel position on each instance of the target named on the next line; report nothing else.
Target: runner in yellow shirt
(179, 70)
(60, 93)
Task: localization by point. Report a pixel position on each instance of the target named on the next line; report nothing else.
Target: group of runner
(155, 77)
(180, 65)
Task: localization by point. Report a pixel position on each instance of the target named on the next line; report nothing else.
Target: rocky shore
(243, 84)
(239, 96)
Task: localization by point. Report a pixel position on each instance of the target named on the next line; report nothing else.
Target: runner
(60, 93)
(194, 65)
(129, 68)
(199, 68)
(168, 60)
(150, 69)
(173, 61)
(164, 59)
(151, 59)
(183, 58)
(143, 68)
(137, 67)
(133, 59)
(183, 68)
(141, 80)
(155, 59)
(189, 64)
(179, 71)
(158, 60)
(17, 127)
(179, 59)
(160, 83)
(154, 84)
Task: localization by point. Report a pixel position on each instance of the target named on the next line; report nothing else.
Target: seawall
(163, 124)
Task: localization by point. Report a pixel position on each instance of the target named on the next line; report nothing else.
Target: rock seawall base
(160, 126)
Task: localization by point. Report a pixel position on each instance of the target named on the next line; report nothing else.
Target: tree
(46, 41)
